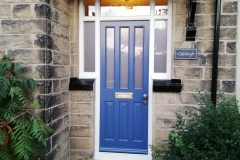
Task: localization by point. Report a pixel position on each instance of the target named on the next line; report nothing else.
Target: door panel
(124, 81)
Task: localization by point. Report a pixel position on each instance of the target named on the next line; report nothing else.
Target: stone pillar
(36, 34)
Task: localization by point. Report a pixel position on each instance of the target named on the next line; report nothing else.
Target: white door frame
(96, 75)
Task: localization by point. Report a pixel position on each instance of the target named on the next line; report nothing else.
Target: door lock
(145, 96)
(144, 102)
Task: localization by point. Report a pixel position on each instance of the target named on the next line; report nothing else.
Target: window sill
(81, 84)
(173, 85)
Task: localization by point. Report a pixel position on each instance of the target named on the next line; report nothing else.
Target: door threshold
(121, 156)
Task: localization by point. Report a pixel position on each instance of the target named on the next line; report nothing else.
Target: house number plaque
(124, 95)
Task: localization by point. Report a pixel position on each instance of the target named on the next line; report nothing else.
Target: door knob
(145, 96)
(145, 102)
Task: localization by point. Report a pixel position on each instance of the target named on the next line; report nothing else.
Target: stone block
(202, 21)
(162, 134)
(65, 149)
(188, 73)
(228, 34)
(81, 154)
(60, 71)
(164, 123)
(227, 60)
(81, 108)
(81, 131)
(64, 84)
(167, 110)
(60, 5)
(80, 143)
(66, 121)
(230, 7)
(59, 18)
(207, 47)
(179, 21)
(74, 71)
(22, 11)
(81, 119)
(44, 87)
(5, 11)
(204, 34)
(179, 35)
(54, 154)
(225, 20)
(59, 111)
(59, 31)
(181, 8)
(56, 139)
(65, 134)
(60, 58)
(47, 101)
(2, 53)
(56, 85)
(16, 41)
(33, 26)
(30, 56)
(223, 73)
(81, 96)
(65, 97)
(231, 47)
(205, 7)
(74, 59)
(187, 98)
(60, 45)
(229, 86)
(42, 11)
(57, 125)
(166, 98)
(44, 41)
(192, 85)
(74, 47)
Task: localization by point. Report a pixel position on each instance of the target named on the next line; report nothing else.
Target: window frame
(98, 18)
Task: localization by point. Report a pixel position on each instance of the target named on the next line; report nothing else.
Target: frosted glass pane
(89, 46)
(160, 50)
(138, 62)
(124, 7)
(124, 58)
(110, 57)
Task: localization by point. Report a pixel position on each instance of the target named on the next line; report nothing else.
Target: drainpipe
(215, 51)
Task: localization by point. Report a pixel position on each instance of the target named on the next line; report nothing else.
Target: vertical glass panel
(161, 7)
(110, 57)
(124, 58)
(89, 46)
(89, 7)
(160, 49)
(138, 65)
(125, 7)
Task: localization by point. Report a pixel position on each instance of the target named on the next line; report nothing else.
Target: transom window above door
(125, 7)
(156, 12)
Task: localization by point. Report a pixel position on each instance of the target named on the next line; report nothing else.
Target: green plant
(212, 132)
(22, 134)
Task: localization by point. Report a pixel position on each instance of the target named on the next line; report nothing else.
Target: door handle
(144, 102)
(145, 96)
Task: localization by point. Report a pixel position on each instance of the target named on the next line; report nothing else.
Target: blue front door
(124, 87)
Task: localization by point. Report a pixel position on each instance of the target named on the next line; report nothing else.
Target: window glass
(89, 46)
(89, 7)
(161, 7)
(125, 7)
(160, 49)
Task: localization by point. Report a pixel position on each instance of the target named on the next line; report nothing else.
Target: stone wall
(36, 34)
(81, 102)
(197, 73)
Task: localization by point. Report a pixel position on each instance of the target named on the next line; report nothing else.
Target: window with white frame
(157, 12)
